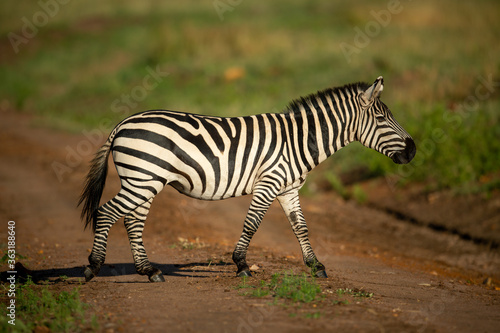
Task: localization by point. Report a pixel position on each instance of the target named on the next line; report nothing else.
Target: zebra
(214, 158)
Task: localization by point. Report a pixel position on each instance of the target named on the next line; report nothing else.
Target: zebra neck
(318, 128)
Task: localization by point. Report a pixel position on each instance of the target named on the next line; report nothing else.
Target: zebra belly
(194, 194)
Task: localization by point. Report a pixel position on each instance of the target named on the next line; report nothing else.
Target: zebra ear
(369, 95)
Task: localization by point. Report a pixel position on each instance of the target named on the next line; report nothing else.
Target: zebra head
(379, 130)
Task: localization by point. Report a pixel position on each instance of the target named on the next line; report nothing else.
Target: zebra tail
(94, 186)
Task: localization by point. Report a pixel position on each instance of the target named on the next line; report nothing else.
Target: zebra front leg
(134, 223)
(258, 208)
(291, 206)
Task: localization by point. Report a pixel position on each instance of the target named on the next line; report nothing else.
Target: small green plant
(341, 292)
(298, 288)
(38, 306)
(262, 290)
(243, 284)
(5, 258)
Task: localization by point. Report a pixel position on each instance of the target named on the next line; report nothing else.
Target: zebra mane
(296, 104)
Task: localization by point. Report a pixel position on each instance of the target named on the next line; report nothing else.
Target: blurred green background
(76, 63)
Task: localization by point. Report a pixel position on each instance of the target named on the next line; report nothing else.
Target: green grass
(38, 306)
(460, 147)
(76, 70)
(301, 293)
(297, 288)
(288, 286)
(5, 258)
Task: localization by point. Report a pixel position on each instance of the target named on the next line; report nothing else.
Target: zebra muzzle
(406, 155)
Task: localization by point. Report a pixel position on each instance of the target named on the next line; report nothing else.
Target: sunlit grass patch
(288, 286)
(37, 306)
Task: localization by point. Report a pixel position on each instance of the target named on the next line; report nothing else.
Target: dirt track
(423, 279)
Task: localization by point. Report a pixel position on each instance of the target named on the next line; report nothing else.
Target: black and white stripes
(214, 158)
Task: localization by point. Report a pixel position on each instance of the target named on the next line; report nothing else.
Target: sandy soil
(431, 260)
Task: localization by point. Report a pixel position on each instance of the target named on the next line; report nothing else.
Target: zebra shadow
(72, 274)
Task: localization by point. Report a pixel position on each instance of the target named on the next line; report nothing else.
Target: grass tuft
(39, 307)
(297, 288)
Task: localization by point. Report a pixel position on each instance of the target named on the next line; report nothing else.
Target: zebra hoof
(244, 274)
(158, 277)
(321, 274)
(89, 274)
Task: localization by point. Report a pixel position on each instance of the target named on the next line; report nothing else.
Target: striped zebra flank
(215, 158)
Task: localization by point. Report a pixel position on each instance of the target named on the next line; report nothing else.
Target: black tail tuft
(94, 186)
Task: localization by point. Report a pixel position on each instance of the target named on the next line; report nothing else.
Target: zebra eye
(380, 117)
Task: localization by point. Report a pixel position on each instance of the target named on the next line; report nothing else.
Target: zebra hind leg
(134, 223)
(106, 216)
(260, 203)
